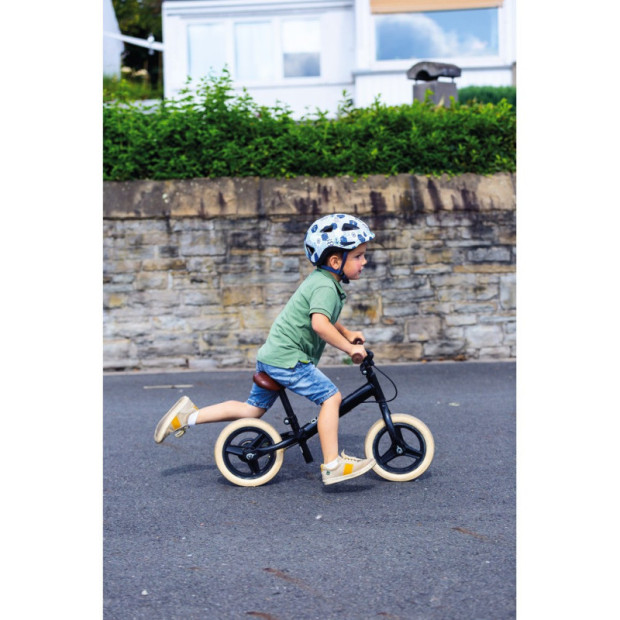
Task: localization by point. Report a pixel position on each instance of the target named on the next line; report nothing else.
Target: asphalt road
(182, 542)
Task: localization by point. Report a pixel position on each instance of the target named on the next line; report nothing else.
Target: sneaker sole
(355, 474)
(164, 423)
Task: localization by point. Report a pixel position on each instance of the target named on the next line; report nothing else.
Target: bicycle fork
(373, 388)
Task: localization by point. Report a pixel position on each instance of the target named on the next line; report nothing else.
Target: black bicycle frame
(300, 434)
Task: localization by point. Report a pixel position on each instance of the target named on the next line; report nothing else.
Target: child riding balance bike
(249, 452)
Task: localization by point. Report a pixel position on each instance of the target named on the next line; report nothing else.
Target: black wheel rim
(245, 441)
(403, 456)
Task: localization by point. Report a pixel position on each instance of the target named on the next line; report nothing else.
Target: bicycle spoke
(389, 455)
(236, 450)
(254, 466)
(259, 441)
(409, 451)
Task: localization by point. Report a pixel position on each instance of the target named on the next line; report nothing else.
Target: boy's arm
(332, 335)
(351, 336)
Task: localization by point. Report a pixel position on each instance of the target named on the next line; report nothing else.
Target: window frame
(276, 22)
(468, 61)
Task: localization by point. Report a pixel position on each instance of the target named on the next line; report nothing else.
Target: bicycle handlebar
(357, 358)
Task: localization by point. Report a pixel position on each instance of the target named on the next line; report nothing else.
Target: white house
(112, 48)
(305, 54)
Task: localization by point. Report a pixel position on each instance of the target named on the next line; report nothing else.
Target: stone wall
(195, 271)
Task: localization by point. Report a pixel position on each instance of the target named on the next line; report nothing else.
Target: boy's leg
(335, 467)
(226, 411)
(184, 414)
(328, 427)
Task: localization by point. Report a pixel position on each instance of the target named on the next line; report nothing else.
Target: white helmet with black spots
(335, 231)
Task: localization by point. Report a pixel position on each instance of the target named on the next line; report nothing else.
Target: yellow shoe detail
(176, 424)
(348, 468)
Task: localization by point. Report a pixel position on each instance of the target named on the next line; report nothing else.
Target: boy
(336, 245)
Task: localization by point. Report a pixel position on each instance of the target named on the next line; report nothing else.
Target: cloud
(417, 35)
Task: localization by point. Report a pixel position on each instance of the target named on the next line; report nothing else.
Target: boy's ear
(333, 261)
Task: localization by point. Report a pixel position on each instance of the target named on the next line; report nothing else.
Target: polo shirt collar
(331, 276)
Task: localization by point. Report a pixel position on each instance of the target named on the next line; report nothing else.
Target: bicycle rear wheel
(236, 456)
(404, 460)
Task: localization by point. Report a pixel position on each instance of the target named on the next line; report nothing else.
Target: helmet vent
(350, 226)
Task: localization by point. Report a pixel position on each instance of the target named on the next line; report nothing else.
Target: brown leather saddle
(262, 379)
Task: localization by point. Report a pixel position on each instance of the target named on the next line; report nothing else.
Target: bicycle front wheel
(405, 459)
(236, 452)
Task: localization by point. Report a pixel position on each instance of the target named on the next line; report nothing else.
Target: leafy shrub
(488, 94)
(134, 87)
(212, 132)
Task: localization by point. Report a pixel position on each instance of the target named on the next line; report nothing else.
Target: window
(437, 34)
(256, 50)
(254, 58)
(301, 45)
(206, 49)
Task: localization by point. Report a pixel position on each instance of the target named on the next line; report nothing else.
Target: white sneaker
(347, 467)
(175, 421)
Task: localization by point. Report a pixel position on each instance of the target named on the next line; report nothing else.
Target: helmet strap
(340, 271)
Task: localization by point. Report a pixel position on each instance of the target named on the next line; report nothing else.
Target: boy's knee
(336, 399)
(254, 412)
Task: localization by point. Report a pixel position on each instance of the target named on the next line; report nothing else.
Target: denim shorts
(304, 379)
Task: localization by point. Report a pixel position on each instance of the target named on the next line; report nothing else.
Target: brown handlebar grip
(358, 358)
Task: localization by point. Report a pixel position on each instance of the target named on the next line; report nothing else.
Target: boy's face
(355, 262)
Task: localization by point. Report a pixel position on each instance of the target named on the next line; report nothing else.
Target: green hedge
(212, 132)
(488, 94)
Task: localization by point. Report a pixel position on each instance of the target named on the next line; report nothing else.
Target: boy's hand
(355, 337)
(358, 353)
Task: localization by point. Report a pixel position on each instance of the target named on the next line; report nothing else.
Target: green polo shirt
(291, 338)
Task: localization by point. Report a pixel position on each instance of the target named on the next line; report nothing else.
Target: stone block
(114, 300)
(168, 345)
(122, 266)
(118, 348)
(408, 295)
(215, 322)
(479, 336)
(405, 352)
(444, 256)
(397, 311)
(497, 353)
(163, 362)
(195, 297)
(435, 269)
(443, 349)
(164, 264)
(201, 364)
(482, 268)
(423, 329)
(131, 329)
(490, 255)
(458, 320)
(156, 300)
(242, 295)
(151, 280)
(378, 333)
(202, 243)
(508, 292)
(473, 308)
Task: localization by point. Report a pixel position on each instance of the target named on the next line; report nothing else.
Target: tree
(141, 18)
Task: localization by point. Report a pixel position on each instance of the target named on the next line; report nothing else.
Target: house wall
(195, 271)
(347, 54)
